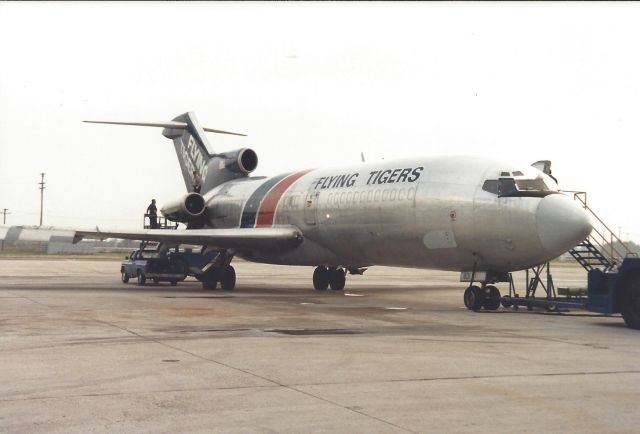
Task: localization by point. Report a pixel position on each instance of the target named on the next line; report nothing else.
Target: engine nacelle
(188, 209)
(243, 160)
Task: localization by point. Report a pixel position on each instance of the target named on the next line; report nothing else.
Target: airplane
(479, 216)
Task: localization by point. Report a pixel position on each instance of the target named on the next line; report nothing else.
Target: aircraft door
(310, 206)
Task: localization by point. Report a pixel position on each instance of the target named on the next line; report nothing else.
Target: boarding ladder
(603, 249)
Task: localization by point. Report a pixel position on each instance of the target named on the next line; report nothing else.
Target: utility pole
(5, 211)
(41, 183)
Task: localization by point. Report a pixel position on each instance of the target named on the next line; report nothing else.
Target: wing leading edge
(280, 238)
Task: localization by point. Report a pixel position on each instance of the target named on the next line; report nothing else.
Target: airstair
(590, 257)
(603, 249)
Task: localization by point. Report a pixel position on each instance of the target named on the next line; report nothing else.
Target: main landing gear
(225, 276)
(327, 277)
(219, 270)
(487, 297)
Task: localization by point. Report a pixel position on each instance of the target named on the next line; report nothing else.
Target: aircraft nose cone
(562, 223)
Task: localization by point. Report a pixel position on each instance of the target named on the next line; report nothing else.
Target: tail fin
(194, 153)
(192, 148)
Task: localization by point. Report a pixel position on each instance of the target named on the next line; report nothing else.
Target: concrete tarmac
(396, 352)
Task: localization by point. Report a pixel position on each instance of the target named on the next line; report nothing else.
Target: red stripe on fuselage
(270, 202)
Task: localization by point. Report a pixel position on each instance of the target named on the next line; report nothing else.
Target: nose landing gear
(491, 300)
(487, 297)
(473, 298)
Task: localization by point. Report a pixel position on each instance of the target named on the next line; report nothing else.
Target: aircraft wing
(280, 238)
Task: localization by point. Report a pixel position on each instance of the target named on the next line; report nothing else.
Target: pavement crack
(472, 377)
(31, 300)
(562, 341)
(146, 392)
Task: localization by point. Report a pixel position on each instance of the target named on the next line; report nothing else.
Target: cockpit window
(509, 187)
(491, 185)
(532, 185)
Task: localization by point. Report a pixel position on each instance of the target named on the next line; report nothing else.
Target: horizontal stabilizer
(171, 124)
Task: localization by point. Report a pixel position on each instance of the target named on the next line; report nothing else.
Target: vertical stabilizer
(193, 150)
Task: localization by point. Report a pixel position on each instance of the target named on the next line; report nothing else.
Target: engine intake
(188, 209)
(243, 160)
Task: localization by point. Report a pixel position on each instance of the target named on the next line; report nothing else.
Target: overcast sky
(312, 85)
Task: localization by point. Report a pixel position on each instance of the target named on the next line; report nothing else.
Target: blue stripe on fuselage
(251, 206)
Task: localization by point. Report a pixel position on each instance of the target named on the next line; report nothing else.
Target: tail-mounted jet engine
(186, 210)
(243, 160)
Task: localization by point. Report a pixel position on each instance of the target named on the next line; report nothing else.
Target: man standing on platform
(152, 213)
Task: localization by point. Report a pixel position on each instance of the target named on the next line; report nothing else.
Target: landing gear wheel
(630, 306)
(473, 298)
(552, 308)
(228, 281)
(209, 282)
(141, 279)
(320, 278)
(173, 282)
(337, 279)
(491, 300)
(156, 280)
(125, 277)
(506, 304)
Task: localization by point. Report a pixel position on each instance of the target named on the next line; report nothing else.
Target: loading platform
(613, 277)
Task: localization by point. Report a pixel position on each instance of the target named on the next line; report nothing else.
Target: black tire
(209, 282)
(506, 304)
(142, 279)
(473, 298)
(125, 277)
(156, 280)
(552, 308)
(630, 306)
(228, 281)
(173, 282)
(321, 279)
(491, 300)
(337, 279)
